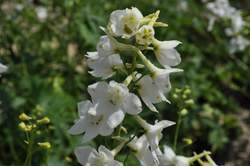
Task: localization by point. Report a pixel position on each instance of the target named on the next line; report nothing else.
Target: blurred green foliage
(47, 69)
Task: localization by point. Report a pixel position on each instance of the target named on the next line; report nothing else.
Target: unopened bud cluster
(34, 125)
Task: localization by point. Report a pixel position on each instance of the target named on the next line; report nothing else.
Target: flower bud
(184, 112)
(44, 145)
(25, 127)
(187, 91)
(38, 132)
(184, 96)
(145, 35)
(68, 159)
(24, 117)
(189, 102)
(187, 141)
(177, 90)
(44, 120)
(175, 96)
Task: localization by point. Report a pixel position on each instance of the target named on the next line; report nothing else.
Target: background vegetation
(48, 74)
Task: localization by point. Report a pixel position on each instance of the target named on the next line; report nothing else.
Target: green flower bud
(44, 120)
(184, 112)
(189, 102)
(44, 145)
(24, 117)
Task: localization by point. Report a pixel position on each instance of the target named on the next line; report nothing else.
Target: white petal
(104, 66)
(115, 60)
(116, 163)
(142, 152)
(169, 44)
(92, 55)
(181, 161)
(138, 143)
(154, 134)
(169, 154)
(168, 57)
(149, 104)
(100, 67)
(154, 139)
(115, 119)
(105, 47)
(164, 124)
(162, 81)
(105, 130)
(82, 154)
(107, 152)
(166, 54)
(90, 133)
(83, 107)
(132, 104)
(150, 92)
(116, 24)
(98, 91)
(137, 13)
(122, 87)
(79, 127)
(146, 158)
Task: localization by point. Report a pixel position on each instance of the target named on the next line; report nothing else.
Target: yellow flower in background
(24, 117)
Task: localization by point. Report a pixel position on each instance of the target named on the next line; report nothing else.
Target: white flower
(153, 88)
(238, 43)
(183, 5)
(150, 92)
(125, 22)
(140, 147)
(154, 132)
(220, 8)
(103, 66)
(88, 156)
(105, 61)
(145, 35)
(92, 121)
(237, 22)
(116, 99)
(166, 54)
(42, 13)
(169, 158)
(3, 68)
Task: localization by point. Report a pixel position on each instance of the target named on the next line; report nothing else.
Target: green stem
(142, 122)
(28, 156)
(178, 124)
(29, 150)
(196, 157)
(151, 67)
(210, 160)
(123, 47)
(118, 148)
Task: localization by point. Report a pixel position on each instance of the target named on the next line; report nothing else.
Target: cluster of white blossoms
(221, 9)
(129, 35)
